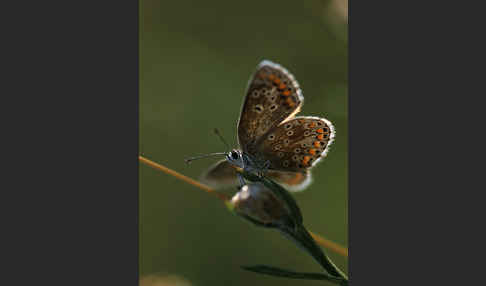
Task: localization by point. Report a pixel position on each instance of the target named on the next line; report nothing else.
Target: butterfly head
(235, 157)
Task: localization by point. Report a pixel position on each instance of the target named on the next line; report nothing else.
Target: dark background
(195, 62)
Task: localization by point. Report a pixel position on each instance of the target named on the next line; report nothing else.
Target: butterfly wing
(222, 174)
(292, 181)
(272, 96)
(296, 145)
(268, 131)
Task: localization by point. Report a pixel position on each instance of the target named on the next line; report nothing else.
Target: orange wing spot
(312, 125)
(312, 151)
(276, 81)
(295, 179)
(289, 101)
(306, 159)
(282, 86)
(286, 93)
(271, 77)
(320, 136)
(317, 143)
(320, 130)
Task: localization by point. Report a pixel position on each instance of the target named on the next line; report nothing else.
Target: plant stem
(182, 177)
(279, 272)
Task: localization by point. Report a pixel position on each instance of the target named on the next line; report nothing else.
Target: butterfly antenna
(189, 160)
(216, 131)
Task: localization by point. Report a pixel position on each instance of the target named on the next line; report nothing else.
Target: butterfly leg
(264, 169)
(241, 181)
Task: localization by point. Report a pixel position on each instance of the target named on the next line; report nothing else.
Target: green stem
(279, 272)
(302, 236)
(296, 231)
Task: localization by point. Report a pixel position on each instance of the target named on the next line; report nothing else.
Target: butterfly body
(273, 141)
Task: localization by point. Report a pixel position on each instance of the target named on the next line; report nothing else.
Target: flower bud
(260, 205)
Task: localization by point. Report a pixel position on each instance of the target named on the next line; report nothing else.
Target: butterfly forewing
(272, 96)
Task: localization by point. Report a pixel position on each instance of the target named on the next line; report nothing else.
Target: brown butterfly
(271, 138)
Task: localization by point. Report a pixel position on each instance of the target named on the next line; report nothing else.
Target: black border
(414, 116)
(71, 189)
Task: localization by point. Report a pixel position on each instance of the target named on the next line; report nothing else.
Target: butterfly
(272, 139)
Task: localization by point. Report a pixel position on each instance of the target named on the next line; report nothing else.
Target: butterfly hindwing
(297, 144)
(292, 181)
(221, 174)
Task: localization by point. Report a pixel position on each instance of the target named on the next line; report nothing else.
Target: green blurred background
(195, 61)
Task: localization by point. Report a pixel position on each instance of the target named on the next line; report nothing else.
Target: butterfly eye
(234, 155)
